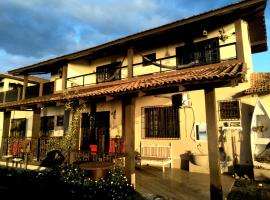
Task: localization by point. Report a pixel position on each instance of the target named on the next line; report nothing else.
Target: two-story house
(175, 84)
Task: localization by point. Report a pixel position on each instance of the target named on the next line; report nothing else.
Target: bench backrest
(156, 150)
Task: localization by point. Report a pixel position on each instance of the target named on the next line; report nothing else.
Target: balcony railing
(118, 73)
(30, 92)
(168, 63)
(38, 147)
(17, 146)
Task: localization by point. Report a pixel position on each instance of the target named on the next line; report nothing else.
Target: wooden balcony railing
(30, 92)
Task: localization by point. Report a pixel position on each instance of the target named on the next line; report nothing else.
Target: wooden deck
(177, 184)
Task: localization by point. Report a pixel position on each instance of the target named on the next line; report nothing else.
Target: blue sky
(35, 30)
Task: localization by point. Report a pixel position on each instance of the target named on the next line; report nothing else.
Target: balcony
(101, 76)
(199, 54)
(30, 92)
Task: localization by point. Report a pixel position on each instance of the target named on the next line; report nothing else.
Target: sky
(32, 31)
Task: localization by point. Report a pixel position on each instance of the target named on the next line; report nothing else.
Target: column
(130, 62)
(25, 82)
(5, 133)
(128, 124)
(212, 138)
(64, 77)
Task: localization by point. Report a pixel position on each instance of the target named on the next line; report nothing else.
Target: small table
(7, 158)
(96, 170)
(17, 161)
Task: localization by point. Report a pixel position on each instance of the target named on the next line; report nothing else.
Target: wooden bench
(155, 154)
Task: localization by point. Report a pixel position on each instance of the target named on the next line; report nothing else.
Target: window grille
(160, 122)
(229, 110)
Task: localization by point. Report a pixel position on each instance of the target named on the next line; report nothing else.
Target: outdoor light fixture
(205, 32)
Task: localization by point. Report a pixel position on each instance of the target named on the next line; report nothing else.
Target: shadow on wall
(246, 163)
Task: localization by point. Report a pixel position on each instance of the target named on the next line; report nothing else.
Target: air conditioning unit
(177, 100)
(186, 100)
(181, 100)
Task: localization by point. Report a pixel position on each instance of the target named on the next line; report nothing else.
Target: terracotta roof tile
(260, 83)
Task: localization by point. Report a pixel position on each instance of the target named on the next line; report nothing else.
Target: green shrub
(67, 182)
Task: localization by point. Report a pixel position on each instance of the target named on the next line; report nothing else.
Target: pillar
(36, 123)
(64, 77)
(128, 124)
(5, 133)
(212, 138)
(25, 82)
(130, 62)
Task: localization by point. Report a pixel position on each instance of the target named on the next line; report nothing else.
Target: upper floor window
(200, 53)
(229, 110)
(110, 72)
(149, 59)
(161, 122)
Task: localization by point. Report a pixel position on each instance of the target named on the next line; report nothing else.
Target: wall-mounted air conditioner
(181, 100)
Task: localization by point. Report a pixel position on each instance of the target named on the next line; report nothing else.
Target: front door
(96, 130)
(102, 127)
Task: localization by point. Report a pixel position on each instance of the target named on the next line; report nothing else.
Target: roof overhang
(251, 11)
(210, 76)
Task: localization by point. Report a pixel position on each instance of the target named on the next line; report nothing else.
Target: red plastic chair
(112, 147)
(93, 149)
